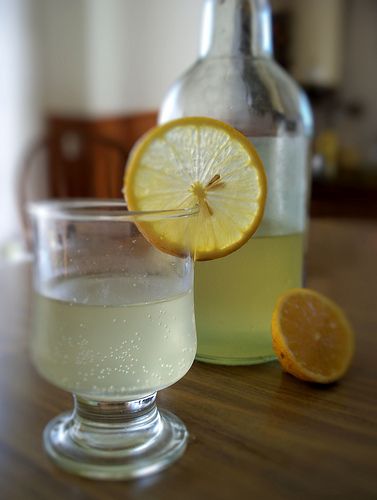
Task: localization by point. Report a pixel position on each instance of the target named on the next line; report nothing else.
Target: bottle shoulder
(254, 94)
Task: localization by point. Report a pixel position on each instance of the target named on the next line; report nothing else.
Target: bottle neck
(236, 28)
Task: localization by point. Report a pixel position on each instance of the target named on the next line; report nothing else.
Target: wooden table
(255, 432)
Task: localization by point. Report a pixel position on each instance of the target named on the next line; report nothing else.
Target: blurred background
(81, 80)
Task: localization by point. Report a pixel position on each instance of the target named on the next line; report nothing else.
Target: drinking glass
(113, 324)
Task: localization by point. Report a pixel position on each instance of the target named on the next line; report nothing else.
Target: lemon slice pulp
(198, 161)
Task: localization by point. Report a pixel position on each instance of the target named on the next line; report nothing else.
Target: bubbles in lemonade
(87, 342)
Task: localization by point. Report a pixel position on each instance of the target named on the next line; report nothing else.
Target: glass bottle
(236, 80)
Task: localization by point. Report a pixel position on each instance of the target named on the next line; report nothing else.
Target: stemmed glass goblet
(113, 324)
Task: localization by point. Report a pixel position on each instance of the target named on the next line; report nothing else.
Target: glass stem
(113, 425)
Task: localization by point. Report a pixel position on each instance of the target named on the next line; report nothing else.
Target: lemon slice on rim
(198, 161)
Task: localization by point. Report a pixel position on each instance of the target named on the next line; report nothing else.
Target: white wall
(359, 83)
(20, 115)
(317, 36)
(107, 57)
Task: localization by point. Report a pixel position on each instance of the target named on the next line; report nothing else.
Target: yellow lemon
(311, 336)
(204, 162)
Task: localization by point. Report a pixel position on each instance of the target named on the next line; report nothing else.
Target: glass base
(115, 439)
(219, 360)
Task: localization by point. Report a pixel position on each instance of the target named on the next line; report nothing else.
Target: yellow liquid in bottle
(235, 297)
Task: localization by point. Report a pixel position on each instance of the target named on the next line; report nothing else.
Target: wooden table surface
(254, 431)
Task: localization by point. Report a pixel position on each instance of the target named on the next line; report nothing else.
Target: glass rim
(92, 209)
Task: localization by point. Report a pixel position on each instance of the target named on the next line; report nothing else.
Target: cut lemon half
(311, 336)
(204, 162)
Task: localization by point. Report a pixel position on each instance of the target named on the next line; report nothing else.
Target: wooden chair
(72, 164)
